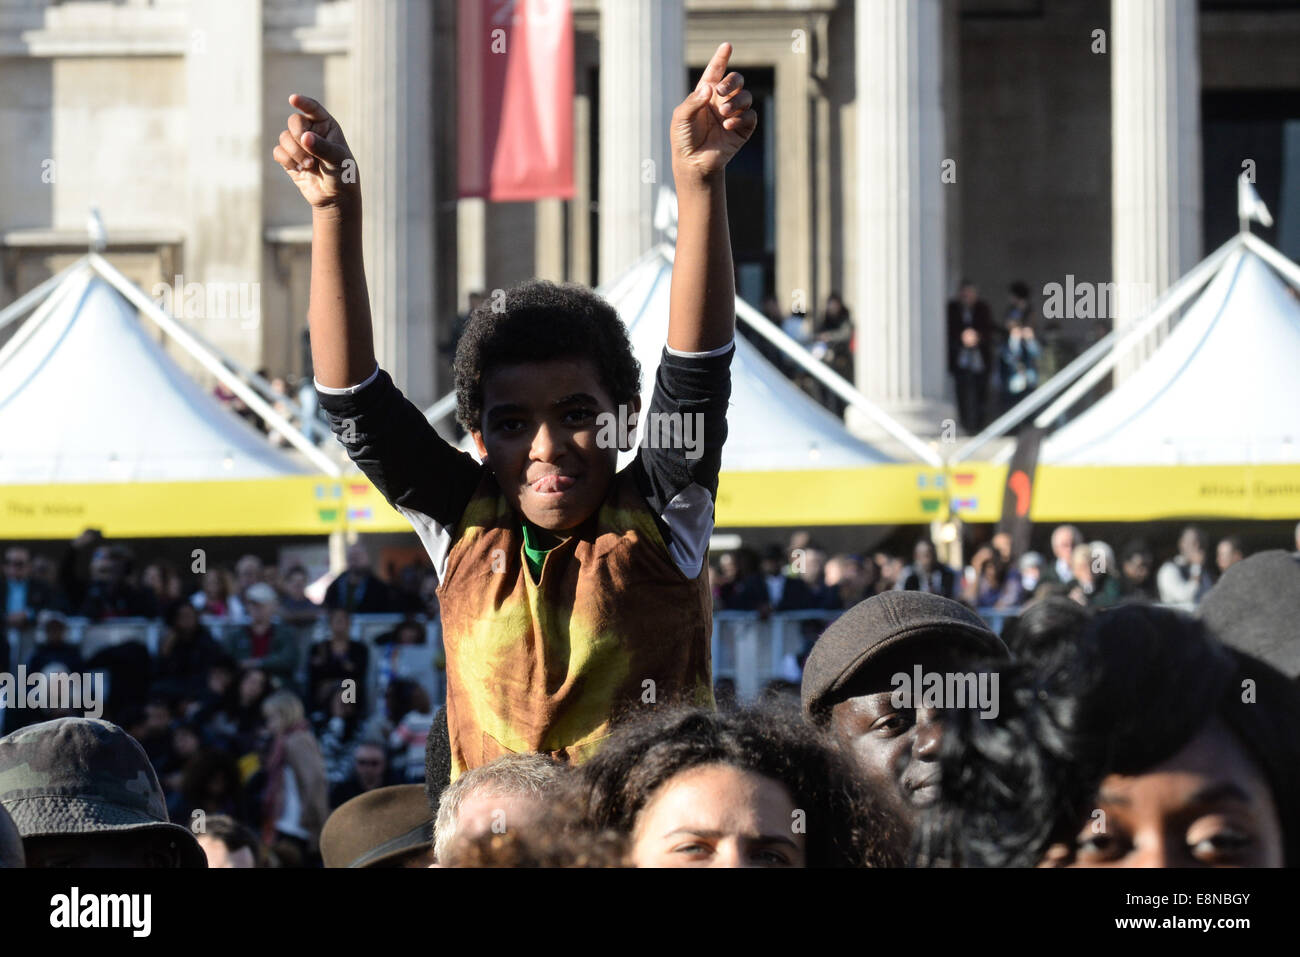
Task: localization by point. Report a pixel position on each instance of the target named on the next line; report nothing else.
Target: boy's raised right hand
(314, 153)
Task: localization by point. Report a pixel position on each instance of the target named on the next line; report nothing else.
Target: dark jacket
(40, 597)
(981, 322)
(371, 596)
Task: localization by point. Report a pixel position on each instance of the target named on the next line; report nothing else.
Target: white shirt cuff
(346, 390)
(720, 351)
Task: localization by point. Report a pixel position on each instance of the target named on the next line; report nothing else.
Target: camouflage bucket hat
(85, 776)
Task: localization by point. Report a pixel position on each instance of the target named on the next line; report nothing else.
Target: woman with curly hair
(697, 788)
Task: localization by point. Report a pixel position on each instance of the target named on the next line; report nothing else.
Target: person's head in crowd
(216, 587)
(851, 685)
(1143, 743)
(210, 780)
(1065, 539)
(370, 764)
(1255, 606)
(923, 555)
(157, 716)
(1082, 564)
(163, 580)
(1043, 624)
(384, 827)
(227, 843)
(358, 560)
(800, 539)
(340, 626)
(248, 572)
(183, 621)
(748, 788)
(774, 561)
(810, 564)
(727, 566)
(294, 583)
(429, 593)
(1297, 536)
(1193, 545)
(83, 794)
(1001, 542)
(220, 678)
(186, 740)
(968, 293)
(553, 840)
(283, 712)
(1031, 571)
(53, 627)
(254, 686)
(105, 565)
(891, 569)
(1136, 564)
(271, 576)
(540, 343)
(11, 843)
(849, 576)
(496, 797)
(44, 569)
(1229, 552)
(17, 564)
(409, 632)
(262, 602)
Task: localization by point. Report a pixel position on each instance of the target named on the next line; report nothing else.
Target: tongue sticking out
(553, 483)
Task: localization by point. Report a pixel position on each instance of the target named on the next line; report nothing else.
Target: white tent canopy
(86, 396)
(1222, 389)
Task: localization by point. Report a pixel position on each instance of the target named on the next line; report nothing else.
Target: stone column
(900, 308)
(392, 135)
(642, 79)
(1156, 155)
(223, 249)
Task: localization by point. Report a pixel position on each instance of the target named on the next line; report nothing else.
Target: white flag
(1249, 205)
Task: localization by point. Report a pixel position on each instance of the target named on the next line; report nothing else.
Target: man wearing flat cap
(83, 794)
(856, 675)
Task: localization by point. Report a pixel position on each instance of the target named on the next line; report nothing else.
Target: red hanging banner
(515, 118)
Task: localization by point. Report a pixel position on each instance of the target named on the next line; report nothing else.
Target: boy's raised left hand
(714, 121)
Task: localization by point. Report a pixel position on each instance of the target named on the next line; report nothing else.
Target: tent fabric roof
(772, 425)
(89, 397)
(1221, 389)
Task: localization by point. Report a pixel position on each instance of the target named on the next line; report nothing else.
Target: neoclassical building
(903, 144)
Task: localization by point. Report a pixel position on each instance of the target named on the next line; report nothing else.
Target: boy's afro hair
(539, 320)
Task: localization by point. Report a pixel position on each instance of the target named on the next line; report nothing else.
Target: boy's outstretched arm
(314, 153)
(709, 127)
(388, 438)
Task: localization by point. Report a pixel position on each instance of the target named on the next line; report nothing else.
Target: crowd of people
(1117, 737)
(995, 364)
(269, 724)
(261, 736)
(804, 575)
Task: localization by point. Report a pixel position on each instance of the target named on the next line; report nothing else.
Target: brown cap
(377, 827)
(882, 623)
